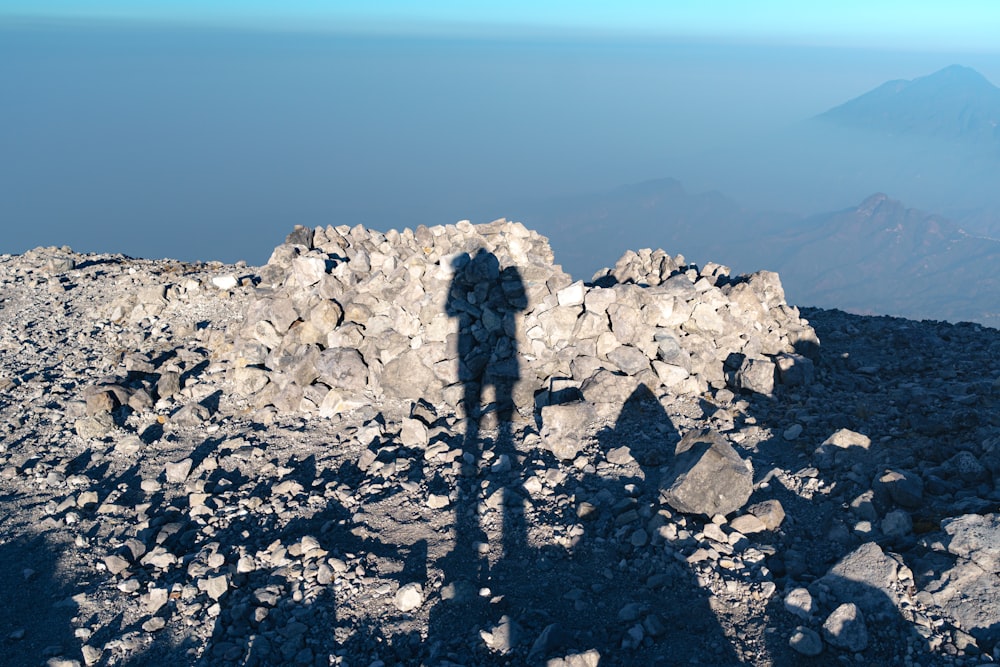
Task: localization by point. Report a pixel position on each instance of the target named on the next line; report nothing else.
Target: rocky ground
(153, 514)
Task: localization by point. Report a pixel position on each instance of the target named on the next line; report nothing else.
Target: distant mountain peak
(959, 73)
(954, 103)
(870, 205)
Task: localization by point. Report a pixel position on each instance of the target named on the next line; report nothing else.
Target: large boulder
(970, 590)
(707, 476)
(867, 577)
(565, 428)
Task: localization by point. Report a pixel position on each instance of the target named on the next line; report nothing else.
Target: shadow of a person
(643, 606)
(484, 299)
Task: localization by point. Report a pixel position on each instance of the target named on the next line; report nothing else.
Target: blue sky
(967, 25)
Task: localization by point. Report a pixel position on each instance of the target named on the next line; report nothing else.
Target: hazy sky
(173, 129)
(915, 24)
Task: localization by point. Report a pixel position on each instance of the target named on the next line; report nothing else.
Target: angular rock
(178, 471)
(345, 368)
(96, 426)
(565, 428)
(407, 377)
(865, 577)
(707, 476)
(975, 537)
(905, 488)
(970, 595)
(770, 513)
(216, 587)
(799, 601)
(795, 369)
(845, 628)
(629, 359)
(503, 637)
(896, 524)
(756, 375)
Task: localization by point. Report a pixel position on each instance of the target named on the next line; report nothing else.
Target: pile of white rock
(346, 315)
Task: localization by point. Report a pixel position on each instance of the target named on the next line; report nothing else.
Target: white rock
(409, 597)
(225, 282)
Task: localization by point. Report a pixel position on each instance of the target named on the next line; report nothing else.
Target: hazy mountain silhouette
(933, 142)
(589, 232)
(881, 257)
(955, 103)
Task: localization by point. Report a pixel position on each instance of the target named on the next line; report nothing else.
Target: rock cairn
(344, 315)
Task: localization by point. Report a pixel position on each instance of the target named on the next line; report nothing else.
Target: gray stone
(345, 368)
(571, 295)
(96, 426)
(806, 641)
(101, 400)
(707, 476)
(866, 577)
(115, 564)
(168, 384)
(191, 415)
(177, 472)
(799, 601)
(413, 433)
(407, 377)
(225, 281)
(845, 628)
(590, 325)
(967, 467)
(608, 391)
(249, 380)
(619, 455)
(61, 662)
(565, 428)
(846, 438)
(863, 506)
(591, 658)
(976, 537)
(154, 599)
(308, 270)
(770, 513)
(897, 524)
(409, 597)
(438, 501)
(970, 595)
(626, 324)
(756, 375)
(905, 488)
(91, 654)
(748, 524)
(629, 359)
(280, 313)
(670, 375)
(503, 637)
(325, 317)
(217, 586)
(154, 624)
(668, 348)
(795, 369)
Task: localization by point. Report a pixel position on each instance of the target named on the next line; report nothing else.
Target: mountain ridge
(956, 103)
